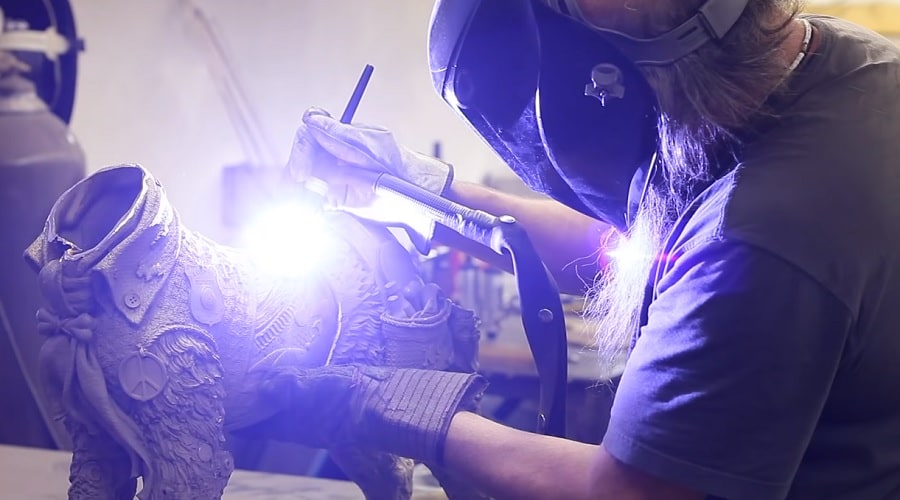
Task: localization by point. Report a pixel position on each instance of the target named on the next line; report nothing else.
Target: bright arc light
(627, 253)
(290, 239)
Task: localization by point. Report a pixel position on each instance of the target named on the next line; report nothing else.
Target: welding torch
(472, 224)
(541, 308)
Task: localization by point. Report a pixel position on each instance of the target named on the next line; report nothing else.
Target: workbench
(39, 474)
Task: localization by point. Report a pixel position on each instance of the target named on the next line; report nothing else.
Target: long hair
(705, 100)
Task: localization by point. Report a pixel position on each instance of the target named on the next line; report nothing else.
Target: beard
(686, 163)
(613, 304)
(707, 102)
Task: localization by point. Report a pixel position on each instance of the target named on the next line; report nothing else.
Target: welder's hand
(402, 411)
(423, 328)
(327, 149)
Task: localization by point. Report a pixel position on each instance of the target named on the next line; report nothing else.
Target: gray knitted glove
(422, 328)
(402, 411)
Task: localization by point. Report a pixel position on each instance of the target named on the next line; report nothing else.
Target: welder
(747, 156)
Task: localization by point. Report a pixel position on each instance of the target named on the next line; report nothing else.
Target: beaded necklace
(804, 47)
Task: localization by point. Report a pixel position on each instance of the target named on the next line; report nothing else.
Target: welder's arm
(508, 463)
(567, 241)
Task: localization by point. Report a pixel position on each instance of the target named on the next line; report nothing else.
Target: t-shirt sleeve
(730, 374)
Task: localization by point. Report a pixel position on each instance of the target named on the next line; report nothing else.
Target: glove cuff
(410, 413)
(426, 171)
(421, 341)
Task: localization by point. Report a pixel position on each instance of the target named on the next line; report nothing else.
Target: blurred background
(188, 87)
(207, 94)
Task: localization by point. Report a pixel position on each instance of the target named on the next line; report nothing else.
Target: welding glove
(423, 328)
(403, 411)
(326, 149)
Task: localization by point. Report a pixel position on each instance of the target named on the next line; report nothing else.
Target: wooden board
(883, 17)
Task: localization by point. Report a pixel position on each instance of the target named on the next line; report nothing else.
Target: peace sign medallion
(142, 376)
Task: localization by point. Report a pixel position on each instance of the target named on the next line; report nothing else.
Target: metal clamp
(542, 313)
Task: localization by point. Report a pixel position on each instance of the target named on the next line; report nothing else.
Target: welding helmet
(41, 33)
(561, 101)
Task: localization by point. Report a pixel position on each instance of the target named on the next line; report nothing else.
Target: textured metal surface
(153, 333)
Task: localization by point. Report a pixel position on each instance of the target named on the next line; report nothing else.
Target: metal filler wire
(356, 97)
(316, 187)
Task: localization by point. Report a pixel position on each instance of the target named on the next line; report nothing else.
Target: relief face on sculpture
(153, 332)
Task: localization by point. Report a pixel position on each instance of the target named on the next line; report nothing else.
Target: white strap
(48, 42)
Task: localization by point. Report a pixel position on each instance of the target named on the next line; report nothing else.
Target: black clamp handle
(542, 313)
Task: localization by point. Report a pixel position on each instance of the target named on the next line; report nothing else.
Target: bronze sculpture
(154, 331)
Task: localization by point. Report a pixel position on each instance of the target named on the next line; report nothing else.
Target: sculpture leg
(100, 469)
(381, 476)
(182, 425)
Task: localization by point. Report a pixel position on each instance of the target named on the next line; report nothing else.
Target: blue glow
(632, 254)
(289, 240)
(393, 210)
(627, 253)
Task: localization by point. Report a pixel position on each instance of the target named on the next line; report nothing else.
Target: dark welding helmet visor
(41, 33)
(571, 116)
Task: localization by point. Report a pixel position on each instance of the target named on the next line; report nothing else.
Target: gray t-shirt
(769, 365)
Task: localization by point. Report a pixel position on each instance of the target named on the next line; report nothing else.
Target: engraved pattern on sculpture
(153, 331)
